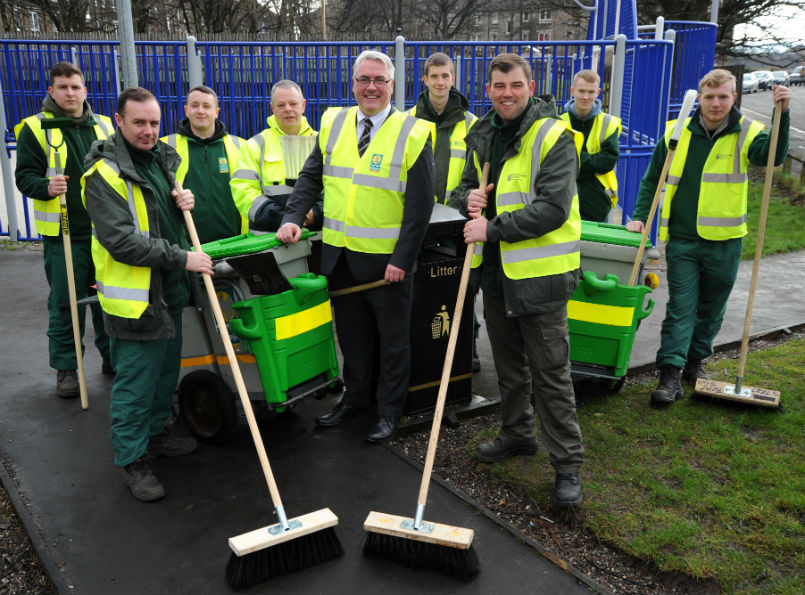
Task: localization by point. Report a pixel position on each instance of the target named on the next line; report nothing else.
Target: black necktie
(366, 136)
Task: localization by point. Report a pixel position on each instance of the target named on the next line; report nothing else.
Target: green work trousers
(531, 355)
(701, 274)
(61, 343)
(142, 395)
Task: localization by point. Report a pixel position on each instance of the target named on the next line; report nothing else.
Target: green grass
(785, 227)
(711, 488)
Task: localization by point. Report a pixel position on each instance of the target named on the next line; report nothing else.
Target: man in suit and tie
(375, 165)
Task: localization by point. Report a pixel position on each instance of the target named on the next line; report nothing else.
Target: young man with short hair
(50, 163)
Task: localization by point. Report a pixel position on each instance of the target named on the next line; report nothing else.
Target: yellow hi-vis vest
(232, 143)
(261, 169)
(555, 252)
(724, 185)
(458, 149)
(604, 126)
(122, 288)
(364, 196)
(47, 213)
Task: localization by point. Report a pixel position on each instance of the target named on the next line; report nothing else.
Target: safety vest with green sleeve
(604, 126)
(47, 213)
(722, 214)
(261, 169)
(557, 251)
(232, 145)
(364, 197)
(122, 289)
(458, 149)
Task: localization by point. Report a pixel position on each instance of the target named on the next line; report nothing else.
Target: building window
(524, 35)
(545, 36)
(494, 18)
(34, 21)
(526, 16)
(493, 37)
(545, 16)
(477, 20)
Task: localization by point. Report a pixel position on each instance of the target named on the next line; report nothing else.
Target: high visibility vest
(555, 252)
(122, 288)
(261, 166)
(47, 213)
(604, 126)
(458, 149)
(365, 196)
(232, 144)
(722, 214)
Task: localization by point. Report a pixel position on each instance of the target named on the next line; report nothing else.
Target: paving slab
(95, 538)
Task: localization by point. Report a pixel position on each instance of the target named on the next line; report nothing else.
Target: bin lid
(247, 243)
(608, 233)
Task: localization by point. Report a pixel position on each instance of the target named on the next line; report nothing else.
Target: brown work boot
(67, 384)
(669, 389)
(694, 369)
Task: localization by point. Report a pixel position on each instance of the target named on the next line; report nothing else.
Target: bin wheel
(208, 407)
(616, 386)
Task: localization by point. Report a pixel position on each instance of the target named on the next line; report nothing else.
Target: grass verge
(785, 227)
(711, 488)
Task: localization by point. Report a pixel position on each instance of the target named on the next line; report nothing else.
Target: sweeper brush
(289, 545)
(416, 543)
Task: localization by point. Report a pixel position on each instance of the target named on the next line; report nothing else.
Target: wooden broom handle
(356, 288)
(647, 227)
(68, 261)
(761, 232)
(233, 362)
(448, 362)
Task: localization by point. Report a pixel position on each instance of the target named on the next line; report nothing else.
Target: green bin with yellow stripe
(290, 335)
(603, 316)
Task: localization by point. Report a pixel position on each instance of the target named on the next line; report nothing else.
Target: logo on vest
(724, 155)
(440, 325)
(516, 176)
(223, 165)
(376, 162)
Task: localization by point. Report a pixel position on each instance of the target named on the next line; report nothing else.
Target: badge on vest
(515, 176)
(223, 165)
(377, 161)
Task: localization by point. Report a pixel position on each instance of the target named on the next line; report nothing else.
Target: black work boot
(694, 368)
(67, 384)
(669, 389)
(567, 490)
(142, 482)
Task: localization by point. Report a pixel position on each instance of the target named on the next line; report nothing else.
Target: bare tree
(448, 18)
(68, 16)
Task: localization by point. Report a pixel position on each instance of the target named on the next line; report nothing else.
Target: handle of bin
(641, 312)
(594, 283)
(307, 284)
(239, 327)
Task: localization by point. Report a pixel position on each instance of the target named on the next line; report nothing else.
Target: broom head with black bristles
(441, 548)
(269, 552)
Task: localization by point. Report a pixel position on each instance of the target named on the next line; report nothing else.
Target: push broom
(290, 545)
(415, 543)
(687, 105)
(738, 392)
(61, 123)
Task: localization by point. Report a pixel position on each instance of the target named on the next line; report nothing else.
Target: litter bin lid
(608, 233)
(247, 243)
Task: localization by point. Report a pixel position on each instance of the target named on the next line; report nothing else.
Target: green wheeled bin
(291, 337)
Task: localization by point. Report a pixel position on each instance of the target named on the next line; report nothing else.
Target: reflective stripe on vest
(47, 213)
(724, 182)
(123, 290)
(363, 205)
(557, 251)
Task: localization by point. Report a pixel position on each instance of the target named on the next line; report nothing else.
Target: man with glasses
(375, 165)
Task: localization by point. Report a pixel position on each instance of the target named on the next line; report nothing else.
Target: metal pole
(458, 72)
(618, 76)
(5, 165)
(399, 72)
(660, 28)
(670, 35)
(115, 57)
(125, 30)
(195, 73)
(323, 20)
(714, 11)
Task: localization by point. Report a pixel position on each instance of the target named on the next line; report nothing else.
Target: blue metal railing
(242, 74)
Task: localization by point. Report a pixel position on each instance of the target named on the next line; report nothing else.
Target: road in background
(758, 106)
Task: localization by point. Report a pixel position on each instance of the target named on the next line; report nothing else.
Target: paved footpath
(96, 539)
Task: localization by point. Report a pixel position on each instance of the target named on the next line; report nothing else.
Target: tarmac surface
(95, 538)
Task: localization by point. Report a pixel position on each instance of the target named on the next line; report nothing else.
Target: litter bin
(436, 284)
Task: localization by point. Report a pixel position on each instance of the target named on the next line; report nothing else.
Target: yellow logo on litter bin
(440, 325)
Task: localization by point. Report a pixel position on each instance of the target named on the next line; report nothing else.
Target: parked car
(797, 76)
(781, 78)
(749, 83)
(765, 79)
